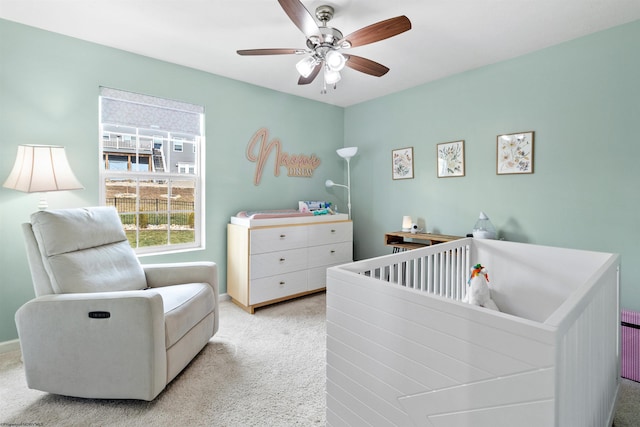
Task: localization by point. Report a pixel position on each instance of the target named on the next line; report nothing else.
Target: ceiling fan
(325, 43)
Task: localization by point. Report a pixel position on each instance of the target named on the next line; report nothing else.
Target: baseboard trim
(7, 346)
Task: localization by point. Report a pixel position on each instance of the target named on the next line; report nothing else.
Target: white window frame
(166, 176)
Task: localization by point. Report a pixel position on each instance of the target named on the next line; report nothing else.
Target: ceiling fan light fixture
(331, 77)
(306, 65)
(323, 44)
(335, 60)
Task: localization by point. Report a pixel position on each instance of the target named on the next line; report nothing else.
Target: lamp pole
(348, 187)
(346, 153)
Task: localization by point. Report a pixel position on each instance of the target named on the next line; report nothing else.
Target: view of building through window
(150, 153)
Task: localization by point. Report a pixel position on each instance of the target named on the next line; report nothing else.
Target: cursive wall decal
(258, 151)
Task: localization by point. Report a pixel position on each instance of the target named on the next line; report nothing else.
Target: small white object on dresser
(275, 259)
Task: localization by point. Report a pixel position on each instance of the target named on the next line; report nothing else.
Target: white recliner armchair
(102, 325)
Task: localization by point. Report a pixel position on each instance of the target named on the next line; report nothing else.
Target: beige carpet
(261, 370)
(265, 369)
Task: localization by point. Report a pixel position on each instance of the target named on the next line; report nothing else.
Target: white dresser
(275, 259)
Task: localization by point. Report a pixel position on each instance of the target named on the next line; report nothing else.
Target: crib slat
(455, 273)
(429, 273)
(447, 274)
(440, 282)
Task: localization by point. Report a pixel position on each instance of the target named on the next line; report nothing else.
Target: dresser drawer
(323, 234)
(277, 239)
(338, 253)
(272, 263)
(275, 287)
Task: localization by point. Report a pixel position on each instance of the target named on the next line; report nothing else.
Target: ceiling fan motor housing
(328, 37)
(324, 13)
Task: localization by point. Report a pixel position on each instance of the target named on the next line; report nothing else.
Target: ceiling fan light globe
(335, 60)
(305, 66)
(331, 77)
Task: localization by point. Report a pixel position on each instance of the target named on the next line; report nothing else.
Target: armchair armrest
(67, 352)
(168, 274)
(182, 272)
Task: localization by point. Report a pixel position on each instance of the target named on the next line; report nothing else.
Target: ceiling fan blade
(246, 52)
(378, 31)
(300, 16)
(312, 76)
(365, 65)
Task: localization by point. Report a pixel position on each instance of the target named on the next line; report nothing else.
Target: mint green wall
(49, 95)
(582, 99)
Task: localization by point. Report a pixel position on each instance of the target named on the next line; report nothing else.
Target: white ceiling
(447, 36)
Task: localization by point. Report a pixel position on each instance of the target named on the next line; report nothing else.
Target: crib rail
(588, 351)
(441, 269)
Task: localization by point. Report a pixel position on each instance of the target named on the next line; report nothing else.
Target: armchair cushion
(95, 261)
(184, 307)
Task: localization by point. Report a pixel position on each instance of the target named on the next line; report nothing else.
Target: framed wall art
(450, 159)
(402, 163)
(514, 153)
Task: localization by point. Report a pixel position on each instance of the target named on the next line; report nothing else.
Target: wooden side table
(405, 240)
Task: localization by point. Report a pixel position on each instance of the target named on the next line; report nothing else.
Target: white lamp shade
(331, 77)
(406, 223)
(41, 168)
(335, 60)
(306, 65)
(347, 152)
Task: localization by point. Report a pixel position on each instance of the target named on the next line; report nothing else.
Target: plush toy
(478, 292)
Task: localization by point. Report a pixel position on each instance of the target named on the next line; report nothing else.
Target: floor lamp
(346, 153)
(40, 169)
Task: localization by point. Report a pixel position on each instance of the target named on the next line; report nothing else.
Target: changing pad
(276, 213)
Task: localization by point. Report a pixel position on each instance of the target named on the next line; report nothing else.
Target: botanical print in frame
(402, 163)
(451, 159)
(514, 153)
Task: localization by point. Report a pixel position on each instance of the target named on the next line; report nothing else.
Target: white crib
(402, 349)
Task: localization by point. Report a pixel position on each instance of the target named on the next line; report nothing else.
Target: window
(157, 190)
(186, 168)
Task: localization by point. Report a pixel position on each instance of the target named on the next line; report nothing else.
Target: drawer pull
(281, 283)
(281, 259)
(333, 231)
(333, 252)
(282, 236)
